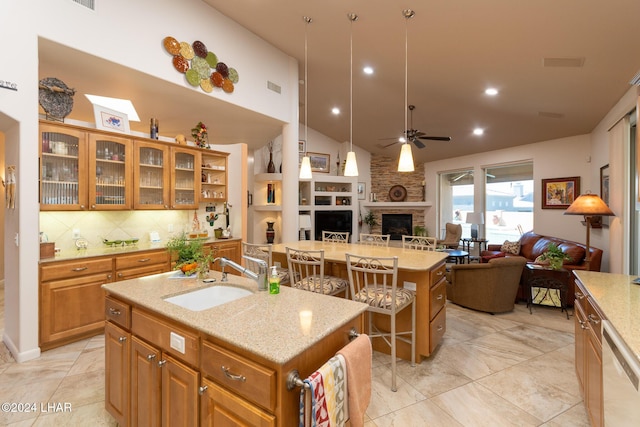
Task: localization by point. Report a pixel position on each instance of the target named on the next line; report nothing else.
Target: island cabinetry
(437, 312)
(63, 168)
(219, 407)
(213, 177)
(110, 172)
(141, 264)
(71, 299)
(152, 174)
(588, 357)
(117, 343)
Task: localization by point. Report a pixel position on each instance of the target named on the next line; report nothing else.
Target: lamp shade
(305, 168)
(589, 205)
(351, 168)
(304, 221)
(405, 164)
(475, 218)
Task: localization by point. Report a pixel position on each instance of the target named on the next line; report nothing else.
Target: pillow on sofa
(512, 248)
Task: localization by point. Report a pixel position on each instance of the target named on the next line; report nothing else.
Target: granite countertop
(271, 326)
(619, 300)
(104, 250)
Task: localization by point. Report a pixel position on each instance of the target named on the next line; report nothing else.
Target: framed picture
(604, 190)
(361, 190)
(302, 146)
(559, 193)
(112, 120)
(319, 162)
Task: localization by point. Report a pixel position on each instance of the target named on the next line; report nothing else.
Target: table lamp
(304, 222)
(474, 218)
(588, 205)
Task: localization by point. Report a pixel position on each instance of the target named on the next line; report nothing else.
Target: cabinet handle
(119, 274)
(202, 390)
(79, 269)
(439, 273)
(579, 295)
(151, 357)
(144, 260)
(82, 207)
(439, 296)
(114, 311)
(233, 377)
(593, 319)
(122, 339)
(93, 206)
(440, 327)
(108, 276)
(162, 363)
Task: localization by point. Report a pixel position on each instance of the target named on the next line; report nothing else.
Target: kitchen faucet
(260, 277)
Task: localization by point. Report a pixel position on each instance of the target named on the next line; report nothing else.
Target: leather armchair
(490, 287)
(453, 233)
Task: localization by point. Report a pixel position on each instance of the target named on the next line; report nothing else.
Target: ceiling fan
(414, 135)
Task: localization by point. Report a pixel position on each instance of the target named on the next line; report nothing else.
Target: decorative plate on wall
(397, 193)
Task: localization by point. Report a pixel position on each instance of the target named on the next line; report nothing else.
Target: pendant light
(305, 167)
(405, 164)
(351, 167)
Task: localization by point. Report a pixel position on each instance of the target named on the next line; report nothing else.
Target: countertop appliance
(620, 382)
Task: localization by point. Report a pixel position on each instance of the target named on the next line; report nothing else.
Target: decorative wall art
(107, 119)
(201, 66)
(559, 193)
(604, 192)
(319, 162)
(55, 98)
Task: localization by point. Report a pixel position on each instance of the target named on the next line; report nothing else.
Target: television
(333, 221)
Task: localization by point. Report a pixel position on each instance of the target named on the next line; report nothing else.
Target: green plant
(185, 250)
(370, 219)
(419, 230)
(555, 256)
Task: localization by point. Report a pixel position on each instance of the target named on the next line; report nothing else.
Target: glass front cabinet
(185, 164)
(110, 172)
(151, 176)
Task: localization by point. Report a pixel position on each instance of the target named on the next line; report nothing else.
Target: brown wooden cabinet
(151, 175)
(141, 264)
(219, 407)
(71, 300)
(588, 356)
(185, 164)
(117, 365)
(213, 177)
(230, 249)
(110, 172)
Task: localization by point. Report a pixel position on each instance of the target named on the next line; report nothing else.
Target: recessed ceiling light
(121, 105)
(478, 131)
(491, 91)
(368, 70)
(335, 110)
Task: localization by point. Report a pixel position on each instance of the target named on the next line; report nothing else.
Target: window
(508, 201)
(456, 199)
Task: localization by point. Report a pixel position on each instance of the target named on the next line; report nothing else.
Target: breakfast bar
(422, 271)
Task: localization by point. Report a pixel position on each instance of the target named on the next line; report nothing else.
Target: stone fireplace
(397, 225)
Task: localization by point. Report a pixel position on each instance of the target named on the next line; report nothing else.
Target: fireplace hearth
(397, 225)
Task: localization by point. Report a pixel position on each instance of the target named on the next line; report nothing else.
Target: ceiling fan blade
(417, 143)
(393, 143)
(436, 138)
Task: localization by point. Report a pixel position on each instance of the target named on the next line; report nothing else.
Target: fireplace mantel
(395, 205)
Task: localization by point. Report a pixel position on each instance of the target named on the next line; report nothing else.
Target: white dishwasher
(620, 382)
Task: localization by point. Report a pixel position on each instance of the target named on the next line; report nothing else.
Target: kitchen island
(422, 271)
(222, 362)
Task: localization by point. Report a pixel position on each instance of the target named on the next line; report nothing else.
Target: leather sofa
(533, 245)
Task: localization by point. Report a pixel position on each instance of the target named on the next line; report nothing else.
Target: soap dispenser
(274, 281)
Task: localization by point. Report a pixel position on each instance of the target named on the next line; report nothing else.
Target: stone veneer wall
(384, 175)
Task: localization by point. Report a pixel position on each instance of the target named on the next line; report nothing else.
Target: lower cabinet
(117, 367)
(231, 250)
(588, 354)
(219, 407)
(141, 264)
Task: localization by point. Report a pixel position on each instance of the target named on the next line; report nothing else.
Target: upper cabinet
(86, 169)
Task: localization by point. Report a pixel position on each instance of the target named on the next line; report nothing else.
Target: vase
(271, 167)
(271, 233)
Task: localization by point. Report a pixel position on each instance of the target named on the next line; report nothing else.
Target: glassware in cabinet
(184, 182)
(151, 176)
(62, 168)
(213, 179)
(110, 172)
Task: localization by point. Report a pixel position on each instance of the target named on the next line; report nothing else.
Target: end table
(546, 279)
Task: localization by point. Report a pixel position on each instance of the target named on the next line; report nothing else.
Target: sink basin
(205, 298)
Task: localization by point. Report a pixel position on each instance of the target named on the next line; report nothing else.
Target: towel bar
(293, 377)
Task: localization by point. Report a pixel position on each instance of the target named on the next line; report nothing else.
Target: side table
(545, 279)
(466, 245)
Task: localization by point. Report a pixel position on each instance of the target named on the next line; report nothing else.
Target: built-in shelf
(396, 205)
(265, 208)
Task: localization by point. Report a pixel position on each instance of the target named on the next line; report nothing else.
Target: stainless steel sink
(205, 298)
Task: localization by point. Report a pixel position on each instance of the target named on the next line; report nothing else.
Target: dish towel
(328, 391)
(358, 355)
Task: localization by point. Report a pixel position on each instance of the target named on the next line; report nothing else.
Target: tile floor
(512, 369)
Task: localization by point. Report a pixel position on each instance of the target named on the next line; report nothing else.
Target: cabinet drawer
(76, 268)
(248, 379)
(594, 319)
(438, 298)
(438, 273)
(117, 312)
(438, 327)
(218, 405)
(159, 332)
(141, 259)
(148, 270)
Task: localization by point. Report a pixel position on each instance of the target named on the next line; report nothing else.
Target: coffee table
(456, 256)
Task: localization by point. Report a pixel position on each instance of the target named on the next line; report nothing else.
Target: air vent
(563, 62)
(274, 87)
(550, 115)
(90, 4)
(636, 79)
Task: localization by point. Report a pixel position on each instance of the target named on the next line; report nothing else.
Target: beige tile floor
(512, 369)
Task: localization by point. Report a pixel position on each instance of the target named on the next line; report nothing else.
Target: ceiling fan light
(305, 168)
(405, 163)
(351, 167)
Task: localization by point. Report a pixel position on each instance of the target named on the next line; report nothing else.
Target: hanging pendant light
(351, 167)
(405, 163)
(305, 167)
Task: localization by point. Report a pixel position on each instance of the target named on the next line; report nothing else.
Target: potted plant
(189, 254)
(419, 230)
(554, 256)
(370, 220)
